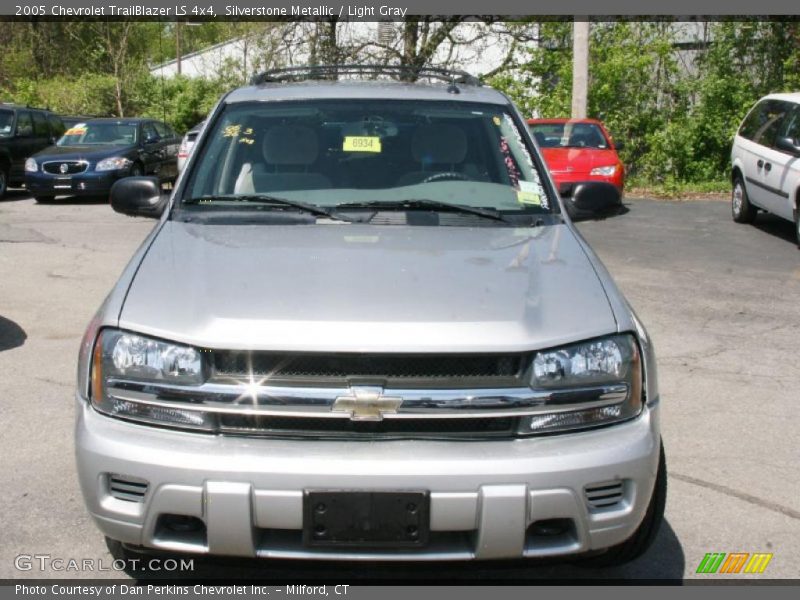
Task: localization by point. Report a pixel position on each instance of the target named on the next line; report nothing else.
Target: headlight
(115, 163)
(121, 357)
(31, 166)
(604, 171)
(589, 384)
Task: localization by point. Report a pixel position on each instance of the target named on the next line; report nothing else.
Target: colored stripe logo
(735, 562)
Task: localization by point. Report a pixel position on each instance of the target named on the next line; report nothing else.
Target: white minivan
(766, 161)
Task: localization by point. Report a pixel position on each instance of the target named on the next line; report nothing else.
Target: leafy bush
(677, 111)
(180, 101)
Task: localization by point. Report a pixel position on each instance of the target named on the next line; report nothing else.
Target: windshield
(91, 134)
(569, 135)
(6, 122)
(337, 153)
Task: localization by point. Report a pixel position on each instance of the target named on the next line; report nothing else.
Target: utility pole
(178, 46)
(580, 66)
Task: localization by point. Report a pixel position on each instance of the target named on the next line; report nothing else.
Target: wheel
(644, 535)
(446, 176)
(3, 182)
(797, 226)
(741, 209)
(44, 199)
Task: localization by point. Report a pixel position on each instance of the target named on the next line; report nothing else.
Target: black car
(92, 155)
(23, 132)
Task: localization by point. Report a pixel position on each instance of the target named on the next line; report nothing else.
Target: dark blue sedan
(92, 155)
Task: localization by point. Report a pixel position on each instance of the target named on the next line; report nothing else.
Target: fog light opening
(183, 529)
(550, 527)
(182, 523)
(551, 536)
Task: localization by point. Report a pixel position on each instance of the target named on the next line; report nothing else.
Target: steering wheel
(447, 176)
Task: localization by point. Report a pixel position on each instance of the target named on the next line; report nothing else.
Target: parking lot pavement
(719, 299)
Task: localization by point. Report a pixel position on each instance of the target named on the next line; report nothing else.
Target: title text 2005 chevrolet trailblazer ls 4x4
(363, 328)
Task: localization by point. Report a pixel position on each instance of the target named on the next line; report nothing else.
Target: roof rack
(365, 71)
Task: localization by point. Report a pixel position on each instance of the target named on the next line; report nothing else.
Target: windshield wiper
(377, 205)
(314, 209)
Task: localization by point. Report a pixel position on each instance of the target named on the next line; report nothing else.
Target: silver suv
(363, 328)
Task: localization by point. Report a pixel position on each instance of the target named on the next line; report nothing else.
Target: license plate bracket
(365, 518)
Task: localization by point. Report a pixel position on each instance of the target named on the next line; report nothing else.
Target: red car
(578, 150)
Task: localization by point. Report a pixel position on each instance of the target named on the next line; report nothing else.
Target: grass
(637, 187)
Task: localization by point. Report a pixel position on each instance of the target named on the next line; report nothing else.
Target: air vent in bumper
(130, 489)
(605, 496)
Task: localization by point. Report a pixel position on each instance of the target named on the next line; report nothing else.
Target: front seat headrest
(290, 145)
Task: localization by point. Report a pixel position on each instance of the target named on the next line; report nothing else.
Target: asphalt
(719, 299)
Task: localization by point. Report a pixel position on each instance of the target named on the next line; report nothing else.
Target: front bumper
(88, 183)
(566, 182)
(484, 496)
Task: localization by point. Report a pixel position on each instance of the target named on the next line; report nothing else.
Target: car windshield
(93, 134)
(6, 122)
(569, 135)
(364, 152)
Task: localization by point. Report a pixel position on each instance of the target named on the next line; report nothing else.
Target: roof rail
(365, 71)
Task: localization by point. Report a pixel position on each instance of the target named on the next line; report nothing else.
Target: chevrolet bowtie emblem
(366, 403)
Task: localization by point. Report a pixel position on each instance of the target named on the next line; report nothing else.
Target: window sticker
(529, 198)
(361, 143)
(531, 193)
(231, 131)
(78, 129)
(245, 135)
(511, 165)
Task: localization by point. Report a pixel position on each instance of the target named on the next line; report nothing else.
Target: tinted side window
(40, 128)
(764, 122)
(149, 131)
(162, 129)
(24, 123)
(791, 127)
(56, 126)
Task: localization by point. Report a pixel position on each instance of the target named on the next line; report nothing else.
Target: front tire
(797, 226)
(3, 182)
(44, 199)
(643, 537)
(741, 209)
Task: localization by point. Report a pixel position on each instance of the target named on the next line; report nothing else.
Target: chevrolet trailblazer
(363, 328)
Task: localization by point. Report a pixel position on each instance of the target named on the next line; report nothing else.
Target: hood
(90, 153)
(580, 160)
(362, 288)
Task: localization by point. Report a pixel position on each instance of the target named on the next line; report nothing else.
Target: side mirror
(593, 199)
(787, 144)
(138, 197)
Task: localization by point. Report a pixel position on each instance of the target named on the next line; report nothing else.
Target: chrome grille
(604, 496)
(410, 370)
(72, 167)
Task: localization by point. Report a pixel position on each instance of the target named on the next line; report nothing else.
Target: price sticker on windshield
(361, 143)
(529, 193)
